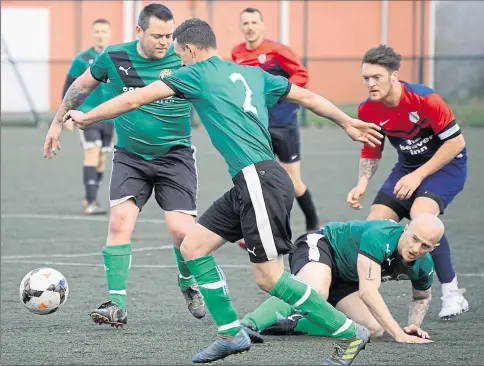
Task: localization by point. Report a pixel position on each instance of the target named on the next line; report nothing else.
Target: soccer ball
(43, 290)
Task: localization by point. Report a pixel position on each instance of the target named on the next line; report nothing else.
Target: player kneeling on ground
(346, 263)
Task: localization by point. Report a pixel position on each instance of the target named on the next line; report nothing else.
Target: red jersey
(276, 59)
(417, 127)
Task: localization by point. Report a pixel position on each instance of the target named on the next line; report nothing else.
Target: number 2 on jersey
(248, 107)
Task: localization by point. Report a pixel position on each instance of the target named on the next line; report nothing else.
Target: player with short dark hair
(346, 262)
(232, 102)
(432, 160)
(278, 59)
(97, 140)
(154, 152)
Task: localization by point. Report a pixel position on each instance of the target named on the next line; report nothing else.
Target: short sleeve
(77, 68)
(441, 118)
(368, 152)
(100, 67)
(185, 82)
(423, 278)
(275, 88)
(373, 245)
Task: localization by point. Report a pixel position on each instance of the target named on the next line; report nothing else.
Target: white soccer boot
(453, 304)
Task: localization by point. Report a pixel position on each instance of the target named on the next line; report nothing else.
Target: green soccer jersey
(152, 129)
(102, 93)
(232, 102)
(377, 240)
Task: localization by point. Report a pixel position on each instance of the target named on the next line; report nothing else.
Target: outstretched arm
(356, 129)
(126, 102)
(319, 105)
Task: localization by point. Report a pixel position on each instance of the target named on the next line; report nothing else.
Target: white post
(137, 10)
(433, 10)
(128, 29)
(384, 22)
(284, 21)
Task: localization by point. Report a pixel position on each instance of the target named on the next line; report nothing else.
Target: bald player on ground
(346, 263)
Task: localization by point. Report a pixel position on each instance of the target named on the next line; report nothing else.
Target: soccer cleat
(94, 208)
(110, 313)
(253, 334)
(194, 300)
(242, 245)
(283, 326)
(345, 350)
(453, 305)
(222, 348)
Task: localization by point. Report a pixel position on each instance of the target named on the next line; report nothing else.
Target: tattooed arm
(418, 306)
(76, 94)
(368, 168)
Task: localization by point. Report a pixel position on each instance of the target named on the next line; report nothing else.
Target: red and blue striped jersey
(416, 128)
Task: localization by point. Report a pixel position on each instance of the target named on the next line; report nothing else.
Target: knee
(265, 283)
(192, 249)
(179, 231)
(91, 156)
(101, 163)
(266, 278)
(120, 224)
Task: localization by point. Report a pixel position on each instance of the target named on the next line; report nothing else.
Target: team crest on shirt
(91, 61)
(413, 117)
(262, 58)
(164, 73)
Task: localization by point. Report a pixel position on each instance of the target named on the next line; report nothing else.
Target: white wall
(25, 32)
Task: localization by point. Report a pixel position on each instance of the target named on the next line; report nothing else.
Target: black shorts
(258, 209)
(173, 177)
(286, 142)
(99, 134)
(317, 249)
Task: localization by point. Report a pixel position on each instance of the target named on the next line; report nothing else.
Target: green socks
(185, 278)
(213, 288)
(268, 313)
(117, 261)
(319, 311)
(306, 327)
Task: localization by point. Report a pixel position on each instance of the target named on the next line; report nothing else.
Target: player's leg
(107, 140)
(386, 205)
(91, 143)
(268, 195)
(287, 146)
(176, 186)
(312, 265)
(433, 196)
(130, 189)
(220, 223)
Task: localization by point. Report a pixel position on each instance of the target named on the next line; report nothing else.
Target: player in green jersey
(346, 263)
(96, 140)
(232, 102)
(153, 153)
